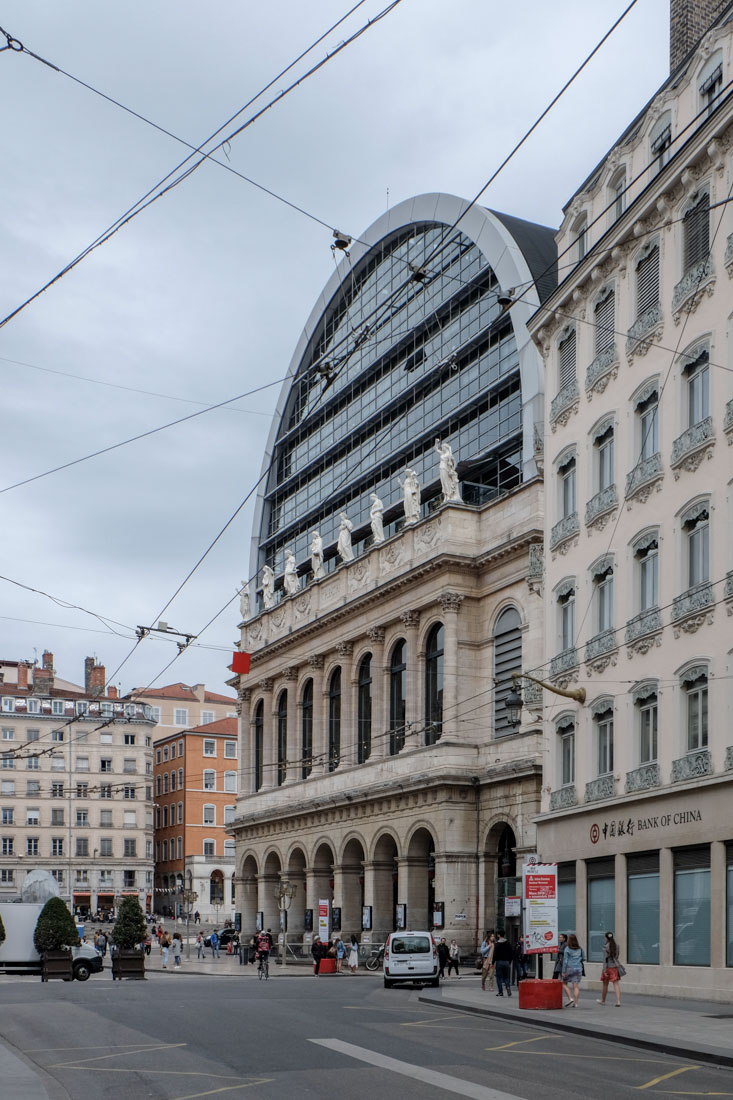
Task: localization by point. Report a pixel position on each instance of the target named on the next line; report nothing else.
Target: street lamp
(188, 897)
(513, 701)
(284, 895)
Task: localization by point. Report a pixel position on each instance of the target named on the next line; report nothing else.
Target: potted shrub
(130, 930)
(54, 937)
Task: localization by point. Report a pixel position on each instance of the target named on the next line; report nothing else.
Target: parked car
(225, 936)
(86, 960)
(410, 957)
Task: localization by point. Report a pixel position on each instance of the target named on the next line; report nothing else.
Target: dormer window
(711, 86)
(661, 141)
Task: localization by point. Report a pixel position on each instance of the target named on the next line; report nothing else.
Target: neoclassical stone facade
(378, 769)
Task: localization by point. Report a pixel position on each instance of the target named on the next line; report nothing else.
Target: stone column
(380, 697)
(581, 903)
(456, 885)
(413, 890)
(267, 903)
(268, 746)
(246, 756)
(450, 603)
(414, 733)
(621, 893)
(666, 907)
(717, 904)
(292, 753)
(347, 895)
(345, 651)
(378, 893)
(320, 732)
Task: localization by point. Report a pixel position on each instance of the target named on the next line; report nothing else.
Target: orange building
(195, 785)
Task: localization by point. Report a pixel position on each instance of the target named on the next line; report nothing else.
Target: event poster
(324, 930)
(540, 907)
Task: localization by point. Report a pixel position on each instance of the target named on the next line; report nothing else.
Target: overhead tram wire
(154, 194)
(140, 435)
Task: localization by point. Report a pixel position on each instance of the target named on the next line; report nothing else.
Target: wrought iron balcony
(693, 601)
(602, 365)
(564, 529)
(566, 398)
(643, 778)
(563, 662)
(564, 798)
(644, 473)
(600, 644)
(602, 787)
(694, 439)
(642, 327)
(646, 622)
(692, 766)
(601, 504)
(688, 290)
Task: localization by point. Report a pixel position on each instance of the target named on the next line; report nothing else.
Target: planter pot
(56, 965)
(128, 964)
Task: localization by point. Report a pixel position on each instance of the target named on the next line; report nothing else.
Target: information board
(324, 931)
(540, 907)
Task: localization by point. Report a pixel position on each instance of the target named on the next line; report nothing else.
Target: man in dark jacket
(317, 953)
(503, 960)
(443, 957)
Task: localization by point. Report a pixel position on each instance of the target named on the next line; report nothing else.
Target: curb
(709, 1055)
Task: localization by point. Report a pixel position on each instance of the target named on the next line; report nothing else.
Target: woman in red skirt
(611, 970)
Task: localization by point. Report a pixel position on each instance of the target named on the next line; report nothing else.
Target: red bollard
(540, 993)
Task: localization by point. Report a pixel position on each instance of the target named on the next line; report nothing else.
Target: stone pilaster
(269, 777)
(380, 696)
(450, 603)
(345, 651)
(320, 722)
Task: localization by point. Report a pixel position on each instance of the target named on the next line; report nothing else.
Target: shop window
(729, 903)
(643, 907)
(601, 905)
(566, 897)
(692, 907)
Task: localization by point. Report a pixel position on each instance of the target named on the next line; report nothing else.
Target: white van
(410, 957)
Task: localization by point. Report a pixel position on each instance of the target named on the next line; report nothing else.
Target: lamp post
(513, 701)
(189, 898)
(284, 895)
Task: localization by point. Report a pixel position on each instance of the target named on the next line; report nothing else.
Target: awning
(82, 894)
(129, 893)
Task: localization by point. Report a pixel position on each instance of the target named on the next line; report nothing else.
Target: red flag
(240, 663)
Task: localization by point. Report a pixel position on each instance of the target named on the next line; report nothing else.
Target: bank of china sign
(613, 828)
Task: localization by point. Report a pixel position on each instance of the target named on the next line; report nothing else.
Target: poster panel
(540, 907)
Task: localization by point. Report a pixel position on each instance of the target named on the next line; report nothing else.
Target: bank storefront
(658, 871)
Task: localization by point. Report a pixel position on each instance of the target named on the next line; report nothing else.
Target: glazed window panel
(307, 730)
(648, 731)
(692, 907)
(334, 720)
(434, 685)
(259, 726)
(601, 910)
(364, 710)
(282, 737)
(397, 697)
(643, 909)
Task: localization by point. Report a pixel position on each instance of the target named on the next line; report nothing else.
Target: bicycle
(376, 958)
(263, 969)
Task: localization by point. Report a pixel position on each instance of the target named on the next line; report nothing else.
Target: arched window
(334, 720)
(507, 659)
(434, 685)
(307, 730)
(364, 709)
(282, 737)
(259, 743)
(397, 685)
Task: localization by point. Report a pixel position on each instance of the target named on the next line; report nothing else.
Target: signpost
(324, 931)
(540, 907)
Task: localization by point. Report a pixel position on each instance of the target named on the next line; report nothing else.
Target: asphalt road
(179, 1037)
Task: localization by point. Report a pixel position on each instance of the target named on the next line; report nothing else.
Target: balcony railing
(643, 326)
(646, 622)
(644, 473)
(695, 439)
(564, 529)
(602, 787)
(566, 399)
(602, 643)
(563, 662)
(602, 365)
(564, 798)
(601, 504)
(692, 602)
(694, 765)
(643, 778)
(688, 290)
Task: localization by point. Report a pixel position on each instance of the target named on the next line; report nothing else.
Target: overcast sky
(204, 295)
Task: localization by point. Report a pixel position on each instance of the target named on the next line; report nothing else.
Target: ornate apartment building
(177, 707)
(378, 769)
(639, 517)
(76, 786)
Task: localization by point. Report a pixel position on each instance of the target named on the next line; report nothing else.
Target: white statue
(268, 587)
(317, 556)
(343, 545)
(448, 471)
(290, 579)
(376, 515)
(411, 495)
(244, 601)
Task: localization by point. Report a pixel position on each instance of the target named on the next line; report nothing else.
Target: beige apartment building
(177, 707)
(76, 786)
(637, 341)
(379, 772)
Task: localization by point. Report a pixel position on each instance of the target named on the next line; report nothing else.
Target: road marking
(434, 1019)
(39, 1050)
(415, 1073)
(119, 1053)
(666, 1076)
(591, 1057)
(519, 1042)
(227, 1088)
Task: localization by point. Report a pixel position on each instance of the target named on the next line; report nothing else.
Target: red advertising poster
(540, 907)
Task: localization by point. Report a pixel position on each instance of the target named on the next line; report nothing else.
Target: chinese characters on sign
(611, 830)
(540, 907)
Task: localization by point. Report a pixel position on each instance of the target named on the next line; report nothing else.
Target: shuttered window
(697, 232)
(647, 282)
(507, 659)
(566, 349)
(605, 322)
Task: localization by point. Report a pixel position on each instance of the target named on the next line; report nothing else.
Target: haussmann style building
(637, 803)
(378, 769)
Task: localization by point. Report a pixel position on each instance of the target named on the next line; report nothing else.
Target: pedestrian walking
(572, 970)
(165, 943)
(176, 948)
(503, 963)
(612, 971)
(252, 952)
(443, 957)
(317, 953)
(214, 944)
(454, 957)
(340, 954)
(353, 954)
(519, 960)
(197, 917)
(200, 946)
(561, 942)
(487, 961)
(235, 944)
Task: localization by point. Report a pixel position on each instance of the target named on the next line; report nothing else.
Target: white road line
(416, 1073)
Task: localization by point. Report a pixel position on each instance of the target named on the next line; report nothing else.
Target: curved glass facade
(439, 360)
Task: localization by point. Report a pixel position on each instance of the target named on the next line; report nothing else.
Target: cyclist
(264, 946)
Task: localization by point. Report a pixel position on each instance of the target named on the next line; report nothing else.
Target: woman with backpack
(572, 970)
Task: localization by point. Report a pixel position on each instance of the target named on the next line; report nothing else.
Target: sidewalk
(699, 1030)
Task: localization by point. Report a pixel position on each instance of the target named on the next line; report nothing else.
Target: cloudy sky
(204, 295)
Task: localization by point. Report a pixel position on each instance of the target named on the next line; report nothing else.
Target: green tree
(55, 928)
(130, 928)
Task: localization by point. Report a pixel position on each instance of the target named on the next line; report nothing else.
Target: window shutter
(647, 282)
(692, 859)
(605, 323)
(507, 659)
(697, 232)
(567, 359)
(645, 863)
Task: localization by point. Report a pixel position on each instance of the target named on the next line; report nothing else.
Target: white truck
(18, 953)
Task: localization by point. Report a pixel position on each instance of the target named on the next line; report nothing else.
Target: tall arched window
(259, 743)
(307, 729)
(507, 659)
(334, 720)
(397, 686)
(364, 709)
(282, 737)
(434, 685)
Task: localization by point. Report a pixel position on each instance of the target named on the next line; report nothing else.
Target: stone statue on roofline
(410, 495)
(317, 556)
(244, 601)
(290, 577)
(268, 587)
(376, 515)
(343, 546)
(448, 471)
